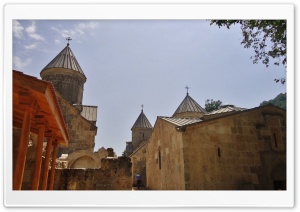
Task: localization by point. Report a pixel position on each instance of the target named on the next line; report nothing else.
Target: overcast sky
(135, 62)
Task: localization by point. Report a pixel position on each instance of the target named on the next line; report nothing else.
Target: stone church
(54, 133)
(68, 79)
(230, 148)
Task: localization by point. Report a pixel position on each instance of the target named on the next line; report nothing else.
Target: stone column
(46, 163)
(42, 124)
(51, 183)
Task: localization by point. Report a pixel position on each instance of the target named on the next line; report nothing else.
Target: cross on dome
(187, 89)
(68, 39)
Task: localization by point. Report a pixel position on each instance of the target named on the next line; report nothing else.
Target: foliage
(279, 101)
(266, 37)
(211, 105)
(124, 153)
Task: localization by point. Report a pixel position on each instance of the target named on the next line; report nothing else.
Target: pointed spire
(65, 59)
(142, 121)
(189, 105)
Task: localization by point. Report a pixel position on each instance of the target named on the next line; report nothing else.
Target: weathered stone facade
(87, 159)
(139, 135)
(164, 158)
(114, 174)
(69, 83)
(242, 151)
(82, 132)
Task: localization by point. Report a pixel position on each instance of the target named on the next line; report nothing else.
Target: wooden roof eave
(44, 94)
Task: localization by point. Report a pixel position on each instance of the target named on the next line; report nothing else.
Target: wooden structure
(36, 110)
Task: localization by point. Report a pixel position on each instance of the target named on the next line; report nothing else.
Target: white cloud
(88, 25)
(31, 32)
(32, 46)
(80, 31)
(77, 32)
(19, 63)
(57, 41)
(17, 29)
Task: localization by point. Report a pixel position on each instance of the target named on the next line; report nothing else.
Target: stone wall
(164, 158)
(237, 152)
(114, 174)
(88, 159)
(68, 83)
(139, 135)
(81, 131)
(242, 151)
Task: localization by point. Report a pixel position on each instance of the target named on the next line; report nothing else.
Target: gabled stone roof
(189, 105)
(65, 59)
(226, 109)
(180, 121)
(142, 122)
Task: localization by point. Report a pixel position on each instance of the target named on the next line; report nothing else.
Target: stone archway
(84, 162)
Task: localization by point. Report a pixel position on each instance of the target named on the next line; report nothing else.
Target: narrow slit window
(219, 152)
(159, 159)
(275, 141)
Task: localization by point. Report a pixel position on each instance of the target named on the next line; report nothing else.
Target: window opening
(275, 141)
(159, 159)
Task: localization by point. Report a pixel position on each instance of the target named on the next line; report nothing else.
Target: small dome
(189, 105)
(65, 59)
(142, 122)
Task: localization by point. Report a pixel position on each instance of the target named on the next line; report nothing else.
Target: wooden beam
(41, 124)
(46, 163)
(22, 151)
(50, 135)
(51, 183)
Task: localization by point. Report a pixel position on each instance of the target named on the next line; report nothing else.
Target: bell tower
(141, 130)
(66, 75)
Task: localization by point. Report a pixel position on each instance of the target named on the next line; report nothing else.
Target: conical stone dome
(189, 108)
(66, 76)
(65, 59)
(142, 122)
(141, 130)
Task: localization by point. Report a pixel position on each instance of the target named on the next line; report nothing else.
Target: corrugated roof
(180, 121)
(142, 122)
(65, 59)
(226, 109)
(89, 112)
(189, 105)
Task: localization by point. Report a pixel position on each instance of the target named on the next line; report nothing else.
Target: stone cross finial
(142, 107)
(187, 89)
(68, 39)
